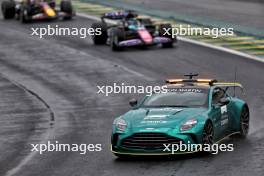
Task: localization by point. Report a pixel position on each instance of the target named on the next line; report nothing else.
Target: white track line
(227, 50)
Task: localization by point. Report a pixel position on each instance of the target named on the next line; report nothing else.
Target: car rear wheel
(244, 122)
(163, 33)
(8, 9)
(66, 6)
(100, 39)
(24, 14)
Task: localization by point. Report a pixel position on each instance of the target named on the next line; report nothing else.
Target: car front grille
(148, 141)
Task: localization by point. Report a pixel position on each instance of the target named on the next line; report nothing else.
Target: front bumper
(134, 153)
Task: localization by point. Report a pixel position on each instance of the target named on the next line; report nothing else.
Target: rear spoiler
(228, 85)
(119, 15)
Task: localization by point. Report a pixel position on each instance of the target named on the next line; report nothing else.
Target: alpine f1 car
(128, 30)
(191, 111)
(28, 10)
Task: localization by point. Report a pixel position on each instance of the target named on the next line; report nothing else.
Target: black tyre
(116, 37)
(17, 16)
(244, 122)
(163, 33)
(66, 6)
(208, 133)
(208, 137)
(24, 14)
(8, 9)
(100, 39)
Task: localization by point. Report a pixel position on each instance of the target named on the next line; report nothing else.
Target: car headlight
(120, 124)
(188, 124)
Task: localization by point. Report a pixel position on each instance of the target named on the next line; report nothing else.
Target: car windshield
(178, 97)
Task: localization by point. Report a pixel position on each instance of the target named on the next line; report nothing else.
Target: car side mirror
(224, 101)
(133, 102)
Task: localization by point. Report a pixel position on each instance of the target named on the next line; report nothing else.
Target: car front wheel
(208, 134)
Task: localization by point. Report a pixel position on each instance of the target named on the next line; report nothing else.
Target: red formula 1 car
(28, 10)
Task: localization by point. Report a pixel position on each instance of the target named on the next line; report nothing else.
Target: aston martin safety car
(28, 10)
(128, 29)
(191, 111)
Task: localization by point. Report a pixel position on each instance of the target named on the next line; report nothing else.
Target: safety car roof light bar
(190, 80)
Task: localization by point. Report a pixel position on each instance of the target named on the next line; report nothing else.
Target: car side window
(218, 94)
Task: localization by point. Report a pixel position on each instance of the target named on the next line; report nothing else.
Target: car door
(220, 112)
(232, 114)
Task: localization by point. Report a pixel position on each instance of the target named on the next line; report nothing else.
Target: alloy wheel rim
(208, 134)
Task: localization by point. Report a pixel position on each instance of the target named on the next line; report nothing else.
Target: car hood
(160, 117)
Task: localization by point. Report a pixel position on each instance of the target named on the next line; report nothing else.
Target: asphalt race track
(242, 12)
(64, 72)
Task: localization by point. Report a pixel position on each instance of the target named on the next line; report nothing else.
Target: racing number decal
(224, 115)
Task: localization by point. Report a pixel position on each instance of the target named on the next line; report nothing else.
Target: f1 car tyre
(24, 14)
(66, 6)
(162, 32)
(244, 122)
(8, 9)
(100, 39)
(115, 39)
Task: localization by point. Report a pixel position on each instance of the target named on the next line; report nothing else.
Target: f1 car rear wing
(119, 15)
